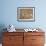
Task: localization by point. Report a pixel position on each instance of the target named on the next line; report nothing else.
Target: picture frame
(25, 14)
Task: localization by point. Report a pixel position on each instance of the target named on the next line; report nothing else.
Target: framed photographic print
(26, 14)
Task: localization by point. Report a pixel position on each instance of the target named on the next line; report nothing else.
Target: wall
(9, 13)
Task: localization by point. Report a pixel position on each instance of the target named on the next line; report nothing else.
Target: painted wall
(9, 13)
